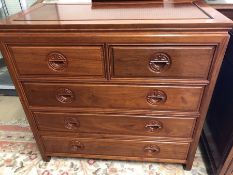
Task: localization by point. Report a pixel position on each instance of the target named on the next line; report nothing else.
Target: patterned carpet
(19, 156)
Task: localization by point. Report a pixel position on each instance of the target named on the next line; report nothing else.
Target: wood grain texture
(129, 148)
(134, 61)
(116, 124)
(114, 96)
(78, 60)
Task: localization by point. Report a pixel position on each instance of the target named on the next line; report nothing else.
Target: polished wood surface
(117, 124)
(129, 148)
(158, 14)
(143, 61)
(118, 80)
(59, 61)
(114, 96)
(88, 12)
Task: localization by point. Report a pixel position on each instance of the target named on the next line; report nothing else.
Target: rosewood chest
(118, 80)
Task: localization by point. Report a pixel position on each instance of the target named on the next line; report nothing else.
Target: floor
(11, 110)
(19, 154)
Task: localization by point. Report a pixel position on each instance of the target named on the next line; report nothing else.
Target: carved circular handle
(159, 62)
(153, 126)
(152, 149)
(57, 61)
(64, 95)
(156, 97)
(71, 123)
(76, 145)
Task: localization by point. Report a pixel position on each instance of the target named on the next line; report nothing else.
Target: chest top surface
(169, 14)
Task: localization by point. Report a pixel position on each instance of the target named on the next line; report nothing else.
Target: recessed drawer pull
(153, 126)
(151, 149)
(57, 61)
(65, 95)
(156, 97)
(159, 62)
(76, 145)
(71, 123)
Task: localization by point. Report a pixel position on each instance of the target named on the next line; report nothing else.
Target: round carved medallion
(156, 97)
(57, 61)
(151, 149)
(76, 145)
(153, 126)
(159, 62)
(64, 95)
(71, 123)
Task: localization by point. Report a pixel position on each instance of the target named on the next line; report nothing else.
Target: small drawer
(113, 147)
(116, 124)
(59, 60)
(185, 98)
(161, 61)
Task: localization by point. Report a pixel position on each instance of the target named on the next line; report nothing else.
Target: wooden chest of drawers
(125, 81)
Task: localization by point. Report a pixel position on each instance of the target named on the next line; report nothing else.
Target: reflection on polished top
(186, 13)
(72, 12)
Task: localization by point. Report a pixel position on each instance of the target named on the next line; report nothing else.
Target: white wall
(13, 6)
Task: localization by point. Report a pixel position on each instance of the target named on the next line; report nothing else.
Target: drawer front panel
(62, 61)
(161, 61)
(116, 124)
(114, 147)
(186, 98)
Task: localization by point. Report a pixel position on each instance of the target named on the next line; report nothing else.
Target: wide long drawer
(116, 124)
(113, 147)
(59, 60)
(186, 98)
(161, 61)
